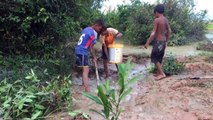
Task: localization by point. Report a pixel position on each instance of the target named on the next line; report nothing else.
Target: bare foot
(160, 77)
(87, 89)
(155, 74)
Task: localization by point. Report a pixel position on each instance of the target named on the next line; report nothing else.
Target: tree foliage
(38, 26)
(136, 21)
(45, 29)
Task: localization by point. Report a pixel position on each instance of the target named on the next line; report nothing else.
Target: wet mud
(177, 97)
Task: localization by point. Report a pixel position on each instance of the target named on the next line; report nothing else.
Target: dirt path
(173, 98)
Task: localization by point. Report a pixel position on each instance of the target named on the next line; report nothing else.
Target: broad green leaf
(41, 93)
(30, 96)
(121, 84)
(28, 100)
(106, 103)
(74, 113)
(28, 77)
(94, 98)
(27, 119)
(125, 93)
(107, 85)
(112, 94)
(17, 81)
(40, 107)
(6, 103)
(21, 105)
(35, 116)
(85, 115)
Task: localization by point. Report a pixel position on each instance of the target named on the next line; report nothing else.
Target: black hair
(159, 8)
(100, 22)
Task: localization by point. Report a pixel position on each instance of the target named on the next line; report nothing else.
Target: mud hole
(176, 97)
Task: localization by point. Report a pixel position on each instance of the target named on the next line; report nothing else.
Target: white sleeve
(113, 31)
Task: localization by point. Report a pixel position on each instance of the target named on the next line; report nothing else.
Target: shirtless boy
(160, 36)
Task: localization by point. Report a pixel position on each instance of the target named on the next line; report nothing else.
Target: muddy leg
(105, 62)
(86, 79)
(160, 72)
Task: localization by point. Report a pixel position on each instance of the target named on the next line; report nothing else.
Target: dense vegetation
(38, 36)
(136, 21)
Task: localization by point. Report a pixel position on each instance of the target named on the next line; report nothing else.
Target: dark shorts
(104, 56)
(158, 51)
(82, 60)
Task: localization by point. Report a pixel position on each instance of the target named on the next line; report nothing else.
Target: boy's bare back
(163, 28)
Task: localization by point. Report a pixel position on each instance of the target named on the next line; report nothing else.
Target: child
(107, 38)
(161, 33)
(87, 40)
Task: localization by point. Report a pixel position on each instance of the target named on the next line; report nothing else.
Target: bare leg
(86, 79)
(105, 62)
(157, 71)
(160, 72)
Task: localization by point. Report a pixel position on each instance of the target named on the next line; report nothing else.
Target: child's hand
(146, 46)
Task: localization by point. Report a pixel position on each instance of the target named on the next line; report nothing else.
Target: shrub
(206, 46)
(136, 21)
(170, 66)
(29, 98)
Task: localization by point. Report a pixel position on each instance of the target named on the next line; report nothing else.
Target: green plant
(170, 66)
(110, 98)
(77, 114)
(135, 20)
(30, 99)
(206, 46)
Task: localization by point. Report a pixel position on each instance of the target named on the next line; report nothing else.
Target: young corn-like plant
(110, 98)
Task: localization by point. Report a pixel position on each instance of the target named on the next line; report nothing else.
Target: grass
(186, 50)
(210, 26)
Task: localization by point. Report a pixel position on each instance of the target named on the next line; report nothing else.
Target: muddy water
(209, 35)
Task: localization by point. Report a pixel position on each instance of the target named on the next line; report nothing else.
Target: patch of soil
(176, 97)
(173, 98)
(135, 59)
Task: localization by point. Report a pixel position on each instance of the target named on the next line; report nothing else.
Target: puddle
(209, 35)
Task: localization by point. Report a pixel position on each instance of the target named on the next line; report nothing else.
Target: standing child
(160, 34)
(87, 40)
(107, 38)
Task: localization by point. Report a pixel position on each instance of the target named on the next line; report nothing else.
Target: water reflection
(209, 36)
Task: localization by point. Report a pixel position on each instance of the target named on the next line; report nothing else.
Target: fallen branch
(196, 77)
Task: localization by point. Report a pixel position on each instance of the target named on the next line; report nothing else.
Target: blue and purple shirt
(88, 37)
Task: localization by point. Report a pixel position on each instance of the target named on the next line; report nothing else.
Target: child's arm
(152, 35)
